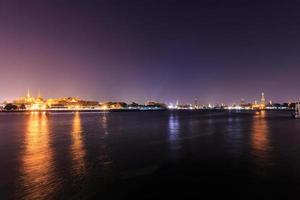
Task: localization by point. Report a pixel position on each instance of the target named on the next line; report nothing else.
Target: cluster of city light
(252, 106)
(188, 107)
(30, 103)
(36, 106)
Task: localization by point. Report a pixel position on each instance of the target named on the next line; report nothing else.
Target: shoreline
(88, 111)
(136, 110)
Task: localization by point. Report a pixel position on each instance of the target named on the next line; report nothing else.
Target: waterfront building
(242, 102)
(263, 99)
(26, 100)
(196, 103)
(30, 103)
(262, 104)
(71, 103)
(155, 104)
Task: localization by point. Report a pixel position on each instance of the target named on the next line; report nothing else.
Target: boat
(296, 115)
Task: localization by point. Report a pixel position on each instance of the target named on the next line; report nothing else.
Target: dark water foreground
(145, 155)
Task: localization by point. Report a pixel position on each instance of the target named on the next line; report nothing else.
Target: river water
(144, 155)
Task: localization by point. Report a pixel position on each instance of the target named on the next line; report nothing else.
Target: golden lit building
(27, 100)
(30, 102)
(263, 100)
(262, 104)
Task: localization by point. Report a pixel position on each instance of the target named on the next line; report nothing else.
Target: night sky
(216, 51)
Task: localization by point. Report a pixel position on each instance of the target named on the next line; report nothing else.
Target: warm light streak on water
(261, 145)
(37, 170)
(103, 123)
(77, 147)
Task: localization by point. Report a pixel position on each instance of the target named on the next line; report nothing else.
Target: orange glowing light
(37, 158)
(77, 147)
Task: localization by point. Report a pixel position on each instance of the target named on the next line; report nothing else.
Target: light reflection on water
(37, 162)
(261, 146)
(103, 123)
(69, 155)
(104, 156)
(77, 146)
(173, 135)
(234, 136)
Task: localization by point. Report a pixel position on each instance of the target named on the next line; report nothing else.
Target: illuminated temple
(31, 103)
(262, 104)
(28, 102)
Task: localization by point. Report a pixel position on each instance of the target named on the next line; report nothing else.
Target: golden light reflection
(77, 147)
(260, 142)
(37, 161)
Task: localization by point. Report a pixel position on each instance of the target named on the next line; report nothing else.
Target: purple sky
(216, 51)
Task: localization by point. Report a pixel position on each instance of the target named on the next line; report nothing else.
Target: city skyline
(217, 52)
(258, 99)
(31, 103)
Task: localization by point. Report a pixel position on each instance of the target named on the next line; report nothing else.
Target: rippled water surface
(146, 154)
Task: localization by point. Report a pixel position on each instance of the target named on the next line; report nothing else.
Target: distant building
(27, 100)
(262, 104)
(71, 103)
(30, 103)
(196, 103)
(155, 104)
(263, 99)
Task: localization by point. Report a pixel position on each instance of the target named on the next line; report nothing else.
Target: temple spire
(28, 93)
(263, 99)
